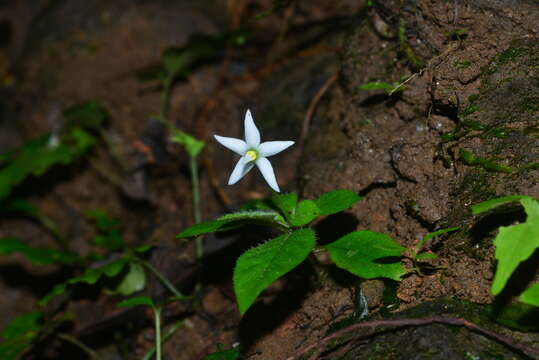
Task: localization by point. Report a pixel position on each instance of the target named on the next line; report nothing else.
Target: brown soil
(467, 62)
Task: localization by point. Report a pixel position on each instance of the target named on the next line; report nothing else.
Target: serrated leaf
(37, 156)
(202, 228)
(192, 145)
(90, 114)
(257, 216)
(306, 211)
(336, 201)
(363, 254)
(234, 220)
(137, 301)
(257, 268)
(39, 256)
(286, 203)
(491, 204)
(515, 244)
(531, 295)
(133, 281)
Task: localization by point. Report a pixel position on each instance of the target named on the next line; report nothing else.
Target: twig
(418, 322)
(312, 107)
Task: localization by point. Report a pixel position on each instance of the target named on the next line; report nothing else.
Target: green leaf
(362, 253)
(306, 211)
(380, 85)
(426, 256)
(23, 324)
(254, 216)
(142, 249)
(286, 203)
(190, 144)
(19, 334)
(336, 201)
(204, 228)
(90, 276)
(39, 256)
(235, 220)
(491, 204)
(37, 156)
(257, 268)
(531, 295)
(515, 244)
(90, 114)
(57, 290)
(137, 301)
(256, 204)
(433, 235)
(133, 281)
(230, 354)
(110, 236)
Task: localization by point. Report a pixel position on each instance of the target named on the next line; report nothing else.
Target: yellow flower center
(252, 155)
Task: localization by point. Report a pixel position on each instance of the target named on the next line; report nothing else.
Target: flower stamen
(251, 155)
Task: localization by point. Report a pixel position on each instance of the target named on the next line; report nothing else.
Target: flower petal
(267, 171)
(242, 167)
(269, 148)
(252, 135)
(237, 145)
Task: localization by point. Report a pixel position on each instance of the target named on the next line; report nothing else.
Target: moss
(414, 60)
(462, 64)
(529, 104)
(511, 55)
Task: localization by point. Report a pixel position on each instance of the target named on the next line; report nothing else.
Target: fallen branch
(419, 322)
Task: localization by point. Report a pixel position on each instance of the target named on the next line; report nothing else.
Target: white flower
(253, 153)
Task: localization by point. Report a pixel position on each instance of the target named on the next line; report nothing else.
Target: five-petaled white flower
(253, 153)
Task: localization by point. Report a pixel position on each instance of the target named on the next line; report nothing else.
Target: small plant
(364, 253)
(514, 244)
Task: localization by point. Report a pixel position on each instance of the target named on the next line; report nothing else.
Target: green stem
(157, 315)
(168, 333)
(160, 277)
(195, 186)
(165, 98)
(70, 339)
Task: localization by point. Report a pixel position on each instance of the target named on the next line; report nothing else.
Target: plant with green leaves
(125, 263)
(514, 243)
(19, 335)
(366, 254)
